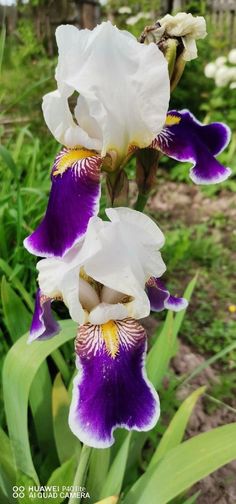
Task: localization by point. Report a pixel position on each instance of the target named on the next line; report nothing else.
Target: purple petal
(111, 389)
(43, 324)
(74, 198)
(185, 139)
(160, 298)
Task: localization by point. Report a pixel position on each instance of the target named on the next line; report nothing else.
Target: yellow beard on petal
(111, 338)
(68, 157)
(171, 120)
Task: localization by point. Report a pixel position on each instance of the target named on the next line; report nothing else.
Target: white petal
(57, 278)
(124, 84)
(123, 254)
(105, 312)
(59, 120)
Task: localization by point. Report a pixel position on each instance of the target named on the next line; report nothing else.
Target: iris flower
(122, 93)
(108, 281)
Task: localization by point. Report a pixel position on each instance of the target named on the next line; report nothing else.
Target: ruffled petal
(185, 139)
(161, 299)
(59, 120)
(73, 200)
(111, 389)
(123, 89)
(43, 324)
(122, 254)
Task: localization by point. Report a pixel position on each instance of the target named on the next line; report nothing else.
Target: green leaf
(179, 317)
(98, 469)
(176, 429)
(160, 354)
(63, 476)
(114, 479)
(66, 442)
(164, 347)
(189, 462)
(20, 367)
(16, 316)
(41, 407)
(7, 467)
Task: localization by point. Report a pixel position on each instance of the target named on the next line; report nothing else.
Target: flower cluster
(107, 272)
(223, 70)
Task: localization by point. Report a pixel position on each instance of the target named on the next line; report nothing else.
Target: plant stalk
(81, 471)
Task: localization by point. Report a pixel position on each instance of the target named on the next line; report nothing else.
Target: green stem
(141, 202)
(80, 474)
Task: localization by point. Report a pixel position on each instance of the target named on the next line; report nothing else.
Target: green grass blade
(114, 479)
(2, 44)
(192, 499)
(9, 161)
(189, 462)
(209, 361)
(176, 429)
(16, 316)
(66, 442)
(20, 367)
(17, 284)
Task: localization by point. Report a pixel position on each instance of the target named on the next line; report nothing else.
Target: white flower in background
(186, 26)
(210, 70)
(223, 76)
(232, 56)
(135, 19)
(220, 61)
(221, 72)
(233, 85)
(124, 10)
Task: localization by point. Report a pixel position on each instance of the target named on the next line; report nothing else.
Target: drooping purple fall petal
(161, 299)
(74, 198)
(186, 139)
(43, 325)
(111, 389)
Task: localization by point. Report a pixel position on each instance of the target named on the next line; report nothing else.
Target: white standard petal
(59, 120)
(123, 86)
(123, 254)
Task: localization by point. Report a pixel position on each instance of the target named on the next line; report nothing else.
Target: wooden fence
(86, 13)
(223, 17)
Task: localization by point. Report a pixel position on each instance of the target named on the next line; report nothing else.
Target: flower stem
(81, 471)
(141, 202)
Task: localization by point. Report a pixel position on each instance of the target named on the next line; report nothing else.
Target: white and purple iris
(122, 105)
(108, 272)
(108, 281)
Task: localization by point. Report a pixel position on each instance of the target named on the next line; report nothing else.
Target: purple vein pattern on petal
(161, 299)
(111, 389)
(185, 139)
(43, 324)
(73, 200)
